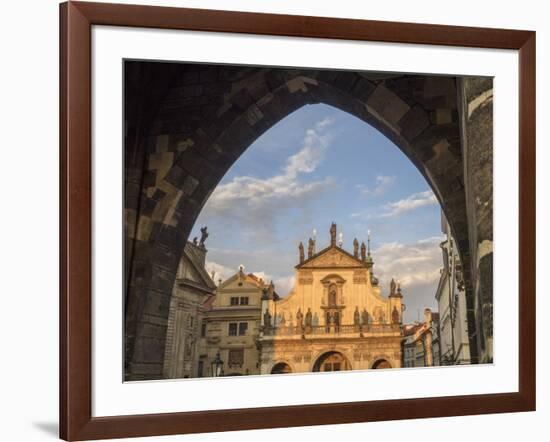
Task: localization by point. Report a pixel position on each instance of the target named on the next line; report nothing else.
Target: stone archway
(281, 368)
(332, 361)
(381, 364)
(199, 122)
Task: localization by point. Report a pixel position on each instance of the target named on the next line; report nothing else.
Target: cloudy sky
(316, 166)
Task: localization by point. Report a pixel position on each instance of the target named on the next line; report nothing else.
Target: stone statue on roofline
(310, 248)
(333, 234)
(301, 252)
(204, 235)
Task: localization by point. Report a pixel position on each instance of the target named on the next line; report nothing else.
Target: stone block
(363, 89)
(387, 105)
(413, 123)
(474, 86)
(254, 114)
(345, 80)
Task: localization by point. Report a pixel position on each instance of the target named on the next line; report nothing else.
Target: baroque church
(335, 318)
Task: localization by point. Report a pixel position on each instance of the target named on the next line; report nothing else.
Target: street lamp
(217, 366)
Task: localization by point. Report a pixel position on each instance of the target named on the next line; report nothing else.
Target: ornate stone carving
(360, 277)
(333, 258)
(395, 315)
(267, 319)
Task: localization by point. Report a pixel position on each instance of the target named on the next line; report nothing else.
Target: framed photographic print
(272, 220)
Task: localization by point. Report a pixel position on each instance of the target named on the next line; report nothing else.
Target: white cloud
(286, 184)
(284, 285)
(220, 271)
(412, 202)
(325, 122)
(257, 202)
(416, 266)
(411, 264)
(383, 183)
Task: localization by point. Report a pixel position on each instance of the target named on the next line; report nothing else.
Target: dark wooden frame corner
(76, 20)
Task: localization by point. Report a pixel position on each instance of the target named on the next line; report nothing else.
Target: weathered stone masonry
(187, 124)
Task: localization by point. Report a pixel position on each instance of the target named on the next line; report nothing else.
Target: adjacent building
(191, 292)
(451, 300)
(231, 326)
(421, 345)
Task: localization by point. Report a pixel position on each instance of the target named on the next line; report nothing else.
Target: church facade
(335, 318)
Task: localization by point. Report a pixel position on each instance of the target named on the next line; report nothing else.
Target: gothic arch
(207, 117)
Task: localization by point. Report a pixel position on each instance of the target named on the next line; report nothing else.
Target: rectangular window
(233, 329)
(203, 329)
(244, 300)
(234, 300)
(243, 327)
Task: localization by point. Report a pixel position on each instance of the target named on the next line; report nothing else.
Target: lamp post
(217, 366)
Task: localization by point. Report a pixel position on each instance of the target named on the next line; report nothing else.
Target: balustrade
(330, 329)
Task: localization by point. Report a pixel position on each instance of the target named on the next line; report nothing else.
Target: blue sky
(316, 166)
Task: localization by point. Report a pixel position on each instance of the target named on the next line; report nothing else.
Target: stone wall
(476, 98)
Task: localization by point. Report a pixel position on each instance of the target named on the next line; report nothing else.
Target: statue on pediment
(355, 248)
(310, 248)
(301, 251)
(333, 234)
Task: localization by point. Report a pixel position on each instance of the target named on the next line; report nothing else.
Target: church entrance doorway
(332, 361)
(380, 364)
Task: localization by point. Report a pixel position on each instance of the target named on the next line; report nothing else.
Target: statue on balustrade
(357, 319)
(308, 320)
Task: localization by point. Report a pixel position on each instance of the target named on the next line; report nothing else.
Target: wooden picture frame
(76, 421)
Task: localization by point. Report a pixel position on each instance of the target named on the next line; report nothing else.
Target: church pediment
(332, 257)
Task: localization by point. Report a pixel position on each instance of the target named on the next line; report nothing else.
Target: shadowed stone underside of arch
(199, 122)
